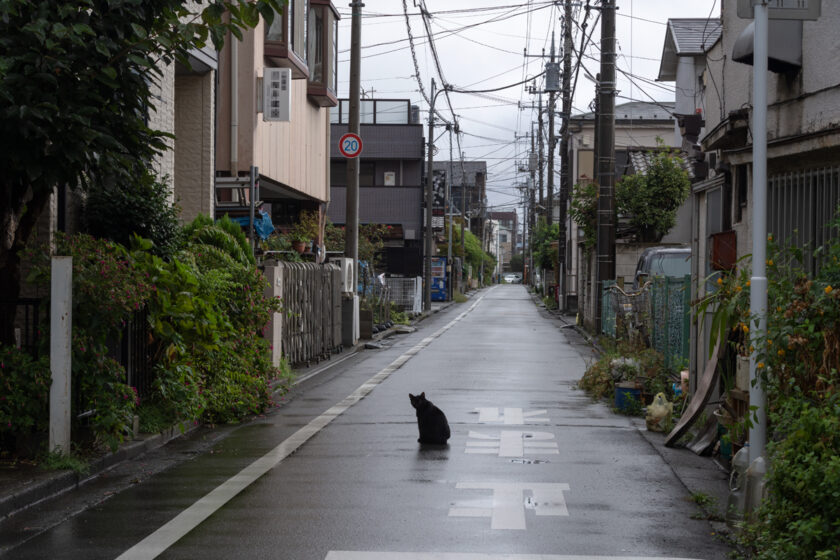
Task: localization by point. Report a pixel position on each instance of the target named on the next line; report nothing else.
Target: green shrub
(118, 210)
(24, 394)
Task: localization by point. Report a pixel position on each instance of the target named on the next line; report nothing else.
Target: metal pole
(252, 210)
(427, 285)
(351, 230)
(606, 155)
(449, 217)
(463, 204)
(758, 282)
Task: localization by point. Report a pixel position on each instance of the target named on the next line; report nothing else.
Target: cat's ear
(412, 397)
(423, 395)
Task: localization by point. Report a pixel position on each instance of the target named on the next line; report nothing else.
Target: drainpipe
(234, 107)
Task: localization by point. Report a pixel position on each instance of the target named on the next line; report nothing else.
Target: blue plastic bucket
(627, 396)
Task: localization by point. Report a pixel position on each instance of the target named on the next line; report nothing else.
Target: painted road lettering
(512, 443)
(506, 508)
(511, 416)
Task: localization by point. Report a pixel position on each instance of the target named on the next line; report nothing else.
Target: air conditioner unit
(713, 158)
(347, 275)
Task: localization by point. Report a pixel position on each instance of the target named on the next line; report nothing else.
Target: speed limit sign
(350, 145)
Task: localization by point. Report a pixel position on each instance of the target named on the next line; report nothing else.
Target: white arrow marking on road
(173, 531)
(512, 443)
(508, 509)
(510, 416)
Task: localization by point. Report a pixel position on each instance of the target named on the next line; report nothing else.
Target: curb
(60, 482)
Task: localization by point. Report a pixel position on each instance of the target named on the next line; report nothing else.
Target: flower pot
(299, 246)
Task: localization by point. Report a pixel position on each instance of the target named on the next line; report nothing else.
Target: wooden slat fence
(311, 299)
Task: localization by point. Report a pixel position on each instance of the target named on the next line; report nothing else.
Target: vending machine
(439, 279)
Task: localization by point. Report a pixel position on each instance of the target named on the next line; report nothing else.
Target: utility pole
(427, 276)
(350, 306)
(449, 218)
(540, 143)
(565, 168)
(351, 241)
(532, 167)
(606, 155)
(552, 88)
(463, 199)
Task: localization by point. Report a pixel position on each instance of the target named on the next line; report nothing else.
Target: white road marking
(511, 416)
(190, 518)
(512, 443)
(360, 555)
(508, 510)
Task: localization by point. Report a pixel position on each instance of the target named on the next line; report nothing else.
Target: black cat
(431, 421)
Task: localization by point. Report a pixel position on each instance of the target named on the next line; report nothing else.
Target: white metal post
(758, 282)
(61, 338)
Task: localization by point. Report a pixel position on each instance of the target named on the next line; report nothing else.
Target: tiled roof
(694, 36)
(640, 161)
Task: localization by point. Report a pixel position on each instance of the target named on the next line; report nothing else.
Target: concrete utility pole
(427, 276)
(463, 199)
(551, 140)
(565, 168)
(532, 167)
(541, 159)
(351, 230)
(449, 218)
(606, 155)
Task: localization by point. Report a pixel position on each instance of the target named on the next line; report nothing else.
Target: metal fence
(311, 300)
(136, 353)
(670, 314)
(407, 293)
(24, 329)
(658, 315)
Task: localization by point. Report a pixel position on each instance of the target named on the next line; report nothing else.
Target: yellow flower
(770, 237)
(748, 283)
(719, 280)
(745, 328)
(769, 262)
(759, 365)
(769, 343)
(828, 289)
(780, 352)
(738, 288)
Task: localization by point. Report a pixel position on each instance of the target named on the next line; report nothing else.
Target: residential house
(507, 236)
(290, 156)
(468, 190)
(638, 125)
(803, 152)
(391, 174)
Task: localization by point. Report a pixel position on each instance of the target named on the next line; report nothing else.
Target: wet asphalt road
(533, 467)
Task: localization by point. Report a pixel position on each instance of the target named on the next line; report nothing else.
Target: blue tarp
(262, 224)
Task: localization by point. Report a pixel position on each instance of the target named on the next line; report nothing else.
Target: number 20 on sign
(350, 145)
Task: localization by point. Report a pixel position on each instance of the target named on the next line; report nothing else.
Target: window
(285, 39)
(741, 189)
(322, 51)
(367, 170)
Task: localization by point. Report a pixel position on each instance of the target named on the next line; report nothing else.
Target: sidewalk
(24, 485)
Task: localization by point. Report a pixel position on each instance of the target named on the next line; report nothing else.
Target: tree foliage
(651, 199)
(584, 210)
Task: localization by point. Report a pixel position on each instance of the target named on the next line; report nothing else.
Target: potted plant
(304, 230)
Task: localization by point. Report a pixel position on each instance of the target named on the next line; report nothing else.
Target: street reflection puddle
(523, 461)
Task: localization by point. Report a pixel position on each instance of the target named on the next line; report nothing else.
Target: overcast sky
(480, 45)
